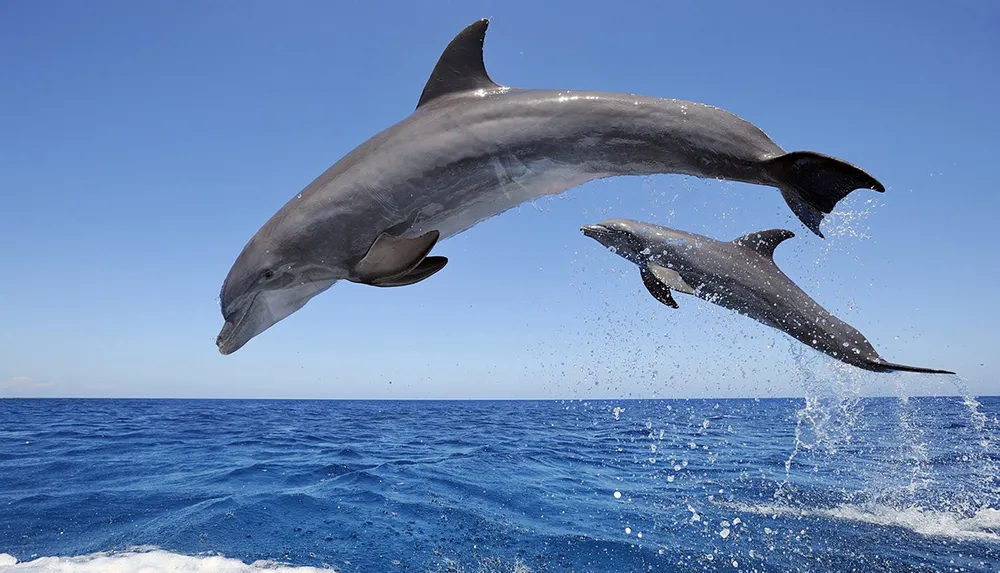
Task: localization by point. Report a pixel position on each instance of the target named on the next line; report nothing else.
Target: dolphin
(740, 275)
(473, 149)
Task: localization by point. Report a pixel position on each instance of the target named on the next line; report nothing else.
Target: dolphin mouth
(594, 231)
(226, 339)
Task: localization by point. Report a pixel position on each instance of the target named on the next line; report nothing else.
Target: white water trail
(147, 560)
(980, 526)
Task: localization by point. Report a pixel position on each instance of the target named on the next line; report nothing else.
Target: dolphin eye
(268, 274)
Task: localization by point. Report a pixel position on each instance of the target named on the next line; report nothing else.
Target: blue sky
(142, 144)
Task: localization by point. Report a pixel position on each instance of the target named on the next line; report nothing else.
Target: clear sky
(142, 144)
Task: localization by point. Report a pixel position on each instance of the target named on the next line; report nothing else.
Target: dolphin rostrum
(473, 149)
(740, 275)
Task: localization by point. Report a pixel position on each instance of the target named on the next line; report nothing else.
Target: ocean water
(864, 485)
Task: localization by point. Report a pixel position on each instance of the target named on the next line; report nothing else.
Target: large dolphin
(473, 149)
(740, 275)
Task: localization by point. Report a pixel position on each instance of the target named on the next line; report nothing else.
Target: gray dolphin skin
(473, 149)
(740, 275)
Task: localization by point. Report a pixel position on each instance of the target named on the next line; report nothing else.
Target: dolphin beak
(224, 340)
(232, 337)
(593, 231)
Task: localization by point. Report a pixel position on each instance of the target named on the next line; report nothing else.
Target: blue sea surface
(868, 485)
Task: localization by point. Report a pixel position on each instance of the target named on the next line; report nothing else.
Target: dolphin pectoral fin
(659, 280)
(460, 67)
(660, 291)
(764, 242)
(812, 184)
(425, 269)
(391, 257)
(671, 278)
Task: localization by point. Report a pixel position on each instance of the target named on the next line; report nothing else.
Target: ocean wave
(983, 525)
(146, 561)
(154, 560)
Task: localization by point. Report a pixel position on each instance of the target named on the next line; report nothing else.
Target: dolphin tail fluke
(812, 183)
(889, 367)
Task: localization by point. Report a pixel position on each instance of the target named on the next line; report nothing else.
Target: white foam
(145, 561)
(984, 525)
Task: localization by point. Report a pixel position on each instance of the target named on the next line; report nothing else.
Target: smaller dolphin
(740, 275)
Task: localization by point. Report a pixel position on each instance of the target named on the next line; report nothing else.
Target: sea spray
(984, 491)
(827, 421)
(912, 450)
(849, 221)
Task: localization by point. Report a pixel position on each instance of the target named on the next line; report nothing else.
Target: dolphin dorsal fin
(460, 67)
(764, 242)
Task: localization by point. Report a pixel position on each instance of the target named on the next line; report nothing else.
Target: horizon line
(758, 398)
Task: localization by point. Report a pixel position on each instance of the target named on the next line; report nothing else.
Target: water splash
(850, 220)
(832, 407)
(905, 486)
(983, 464)
(912, 451)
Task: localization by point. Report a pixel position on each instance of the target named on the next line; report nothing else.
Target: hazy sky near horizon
(142, 145)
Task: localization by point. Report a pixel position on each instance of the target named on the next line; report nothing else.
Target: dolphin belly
(501, 186)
